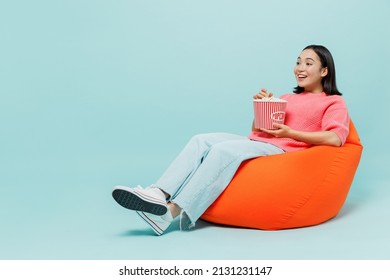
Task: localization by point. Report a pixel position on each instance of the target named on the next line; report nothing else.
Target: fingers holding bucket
(263, 94)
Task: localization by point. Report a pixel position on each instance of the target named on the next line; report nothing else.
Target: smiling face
(309, 71)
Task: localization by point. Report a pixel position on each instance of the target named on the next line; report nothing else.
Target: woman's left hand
(329, 138)
(280, 130)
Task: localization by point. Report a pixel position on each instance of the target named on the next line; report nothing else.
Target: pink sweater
(310, 112)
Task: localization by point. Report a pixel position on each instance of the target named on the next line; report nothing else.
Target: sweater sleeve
(336, 118)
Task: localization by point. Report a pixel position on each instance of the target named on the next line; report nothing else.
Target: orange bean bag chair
(291, 190)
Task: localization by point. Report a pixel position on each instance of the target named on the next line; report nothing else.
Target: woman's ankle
(175, 209)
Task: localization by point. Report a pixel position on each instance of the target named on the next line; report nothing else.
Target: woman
(316, 115)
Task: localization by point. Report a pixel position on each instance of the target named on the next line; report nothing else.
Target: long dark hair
(329, 81)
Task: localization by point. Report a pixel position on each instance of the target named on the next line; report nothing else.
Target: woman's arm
(314, 138)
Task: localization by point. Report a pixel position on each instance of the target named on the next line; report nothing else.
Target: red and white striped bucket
(269, 111)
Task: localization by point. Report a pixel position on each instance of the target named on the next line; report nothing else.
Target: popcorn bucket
(268, 111)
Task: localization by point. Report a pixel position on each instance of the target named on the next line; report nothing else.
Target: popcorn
(268, 111)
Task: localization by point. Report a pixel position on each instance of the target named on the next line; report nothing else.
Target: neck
(319, 89)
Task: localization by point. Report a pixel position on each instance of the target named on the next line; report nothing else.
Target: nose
(300, 67)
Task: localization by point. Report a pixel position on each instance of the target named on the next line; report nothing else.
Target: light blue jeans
(204, 168)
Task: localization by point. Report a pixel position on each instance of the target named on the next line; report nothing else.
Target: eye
(298, 63)
(309, 64)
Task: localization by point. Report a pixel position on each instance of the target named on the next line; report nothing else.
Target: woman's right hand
(263, 94)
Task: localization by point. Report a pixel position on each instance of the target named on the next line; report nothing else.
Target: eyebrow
(306, 58)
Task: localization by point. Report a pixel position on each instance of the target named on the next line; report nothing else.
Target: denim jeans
(204, 168)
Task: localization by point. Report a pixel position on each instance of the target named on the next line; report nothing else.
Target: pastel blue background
(100, 93)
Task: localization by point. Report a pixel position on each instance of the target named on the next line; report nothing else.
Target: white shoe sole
(138, 201)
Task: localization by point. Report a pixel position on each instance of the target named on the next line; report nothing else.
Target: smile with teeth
(301, 76)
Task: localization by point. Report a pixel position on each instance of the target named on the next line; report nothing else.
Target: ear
(324, 71)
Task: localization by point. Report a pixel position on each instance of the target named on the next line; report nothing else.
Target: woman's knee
(202, 137)
(224, 149)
